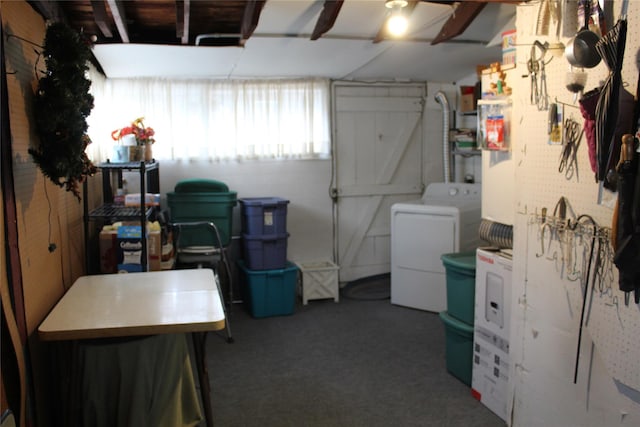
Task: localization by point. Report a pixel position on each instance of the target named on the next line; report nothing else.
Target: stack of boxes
(270, 280)
(121, 248)
(459, 317)
(264, 227)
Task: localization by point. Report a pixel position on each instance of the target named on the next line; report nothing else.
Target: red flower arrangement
(144, 135)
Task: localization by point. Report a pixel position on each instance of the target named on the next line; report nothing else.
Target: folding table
(103, 307)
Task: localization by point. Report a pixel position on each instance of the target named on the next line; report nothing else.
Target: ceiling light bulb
(397, 25)
(396, 4)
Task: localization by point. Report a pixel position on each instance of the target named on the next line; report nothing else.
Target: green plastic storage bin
(461, 285)
(269, 292)
(198, 185)
(209, 207)
(459, 347)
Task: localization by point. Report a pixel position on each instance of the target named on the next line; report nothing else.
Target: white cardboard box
(491, 362)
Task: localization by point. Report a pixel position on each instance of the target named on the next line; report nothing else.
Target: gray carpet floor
(354, 363)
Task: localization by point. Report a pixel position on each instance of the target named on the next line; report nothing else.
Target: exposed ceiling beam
(52, 11)
(327, 18)
(119, 17)
(101, 18)
(407, 11)
(462, 16)
(183, 12)
(250, 19)
(49, 10)
(476, 1)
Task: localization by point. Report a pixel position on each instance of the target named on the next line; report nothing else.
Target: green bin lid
(461, 327)
(462, 260)
(198, 185)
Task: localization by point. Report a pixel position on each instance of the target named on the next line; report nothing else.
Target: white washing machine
(445, 220)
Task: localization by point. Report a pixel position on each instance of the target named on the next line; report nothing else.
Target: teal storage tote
(461, 285)
(269, 292)
(459, 347)
(198, 206)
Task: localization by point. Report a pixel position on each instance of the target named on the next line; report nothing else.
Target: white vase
(128, 140)
(120, 154)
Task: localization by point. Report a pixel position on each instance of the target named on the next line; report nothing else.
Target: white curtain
(214, 119)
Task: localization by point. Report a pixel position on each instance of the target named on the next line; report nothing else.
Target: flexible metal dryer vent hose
(441, 99)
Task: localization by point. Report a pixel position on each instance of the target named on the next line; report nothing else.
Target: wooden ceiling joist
(457, 23)
(119, 17)
(451, 2)
(230, 23)
(49, 10)
(183, 11)
(250, 18)
(327, 18)
(101, 18)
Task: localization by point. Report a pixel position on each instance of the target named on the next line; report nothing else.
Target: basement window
(215, 119)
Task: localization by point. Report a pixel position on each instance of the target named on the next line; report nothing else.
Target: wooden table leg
(199, 339)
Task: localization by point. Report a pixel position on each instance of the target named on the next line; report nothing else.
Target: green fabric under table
(144, 381)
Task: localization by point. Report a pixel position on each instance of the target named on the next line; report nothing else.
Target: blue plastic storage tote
(265, 252)
(264, 215)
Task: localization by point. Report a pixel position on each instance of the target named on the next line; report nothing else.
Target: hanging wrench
(543, 96)
(532, 67)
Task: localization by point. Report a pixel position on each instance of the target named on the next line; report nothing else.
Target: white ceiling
(280, 47)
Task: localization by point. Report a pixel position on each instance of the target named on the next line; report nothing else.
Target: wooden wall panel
(46, 213)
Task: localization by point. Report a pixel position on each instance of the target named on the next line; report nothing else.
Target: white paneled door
(377, 155)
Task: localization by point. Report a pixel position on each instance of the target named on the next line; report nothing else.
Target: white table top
(117, 305)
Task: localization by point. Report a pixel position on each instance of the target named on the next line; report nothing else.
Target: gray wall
(305, 183)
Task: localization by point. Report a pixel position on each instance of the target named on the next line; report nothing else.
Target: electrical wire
(52, 246)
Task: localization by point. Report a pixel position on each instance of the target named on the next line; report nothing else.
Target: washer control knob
(453, 191)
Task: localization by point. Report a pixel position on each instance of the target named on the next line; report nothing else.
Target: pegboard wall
(612, 325)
